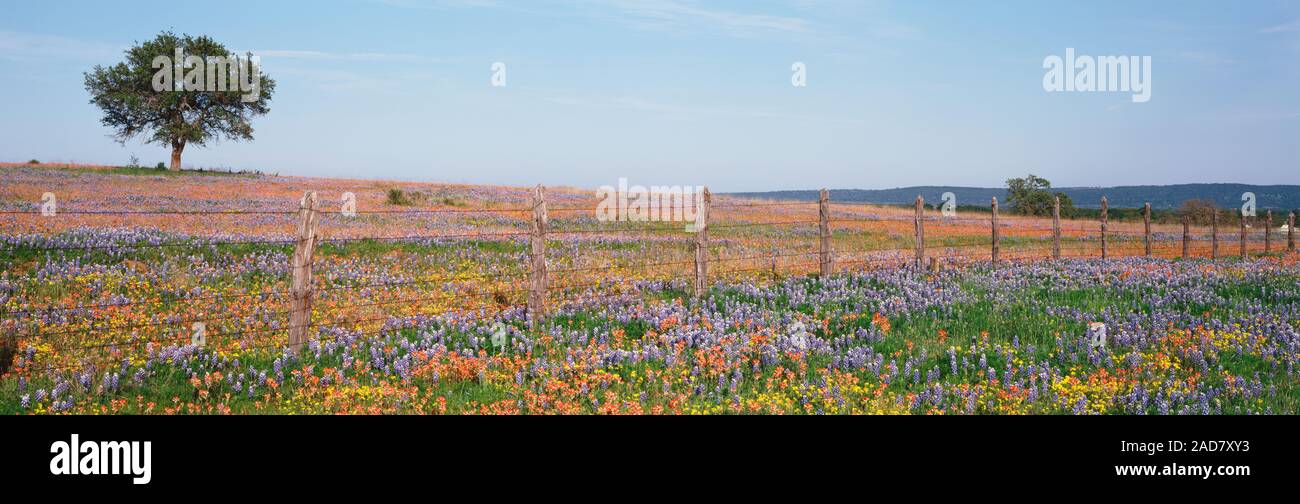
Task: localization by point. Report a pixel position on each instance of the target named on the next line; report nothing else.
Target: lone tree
(1032, 195)
(1198, 211)
(180, 90)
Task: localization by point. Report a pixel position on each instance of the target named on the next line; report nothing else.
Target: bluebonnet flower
(59, 389)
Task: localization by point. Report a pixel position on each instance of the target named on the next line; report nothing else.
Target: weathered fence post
(824, 228)
(1186, 236)
(537, 256)
(995, 230)
(1268, 233)
(702, 245)
(300, 291)
(1104, 222)
(1146, 222)
(1214, 234)
(1290, 232)
(920, 231)
(1056, 228)
(1242, 225)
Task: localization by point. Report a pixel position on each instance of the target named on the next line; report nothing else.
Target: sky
(684, 92)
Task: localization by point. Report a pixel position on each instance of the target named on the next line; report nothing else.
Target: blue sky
(696, 92)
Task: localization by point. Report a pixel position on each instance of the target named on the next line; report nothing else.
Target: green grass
(377, 248)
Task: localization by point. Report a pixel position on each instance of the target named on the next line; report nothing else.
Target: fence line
(303, 290)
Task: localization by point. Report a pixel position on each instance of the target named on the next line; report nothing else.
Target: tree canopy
(1032, 195)
(1198, 211)
(178, 91)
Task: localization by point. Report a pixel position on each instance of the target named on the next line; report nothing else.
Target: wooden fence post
(824, 227)
(1056, 228)
(1242, 225)
(1146, 222)
(537, 255)
(1268, 233)
(1290, 232)
(300, 291)
(920, 232)
(702, 245)
(1104, 222)
(1186, 236)
(995, 230)
(1214, 234)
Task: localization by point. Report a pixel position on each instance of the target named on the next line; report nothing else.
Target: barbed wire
(47, 309)
(1082, 240)
(183, 323)
(762, 204)
(196, 244)
(150, 212)
(446, 316)
(134, 327)
(755, 224)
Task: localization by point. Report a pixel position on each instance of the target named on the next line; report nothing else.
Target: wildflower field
(419, 307)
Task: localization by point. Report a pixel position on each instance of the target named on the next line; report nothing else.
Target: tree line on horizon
(1168, 203)
(1033, 196)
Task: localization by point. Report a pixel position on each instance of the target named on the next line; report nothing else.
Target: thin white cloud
(681, 112)
(440, 4)
(674, 14)
(1264, 115)
(341, 81)
(805, 118)
(658, 15)
(20, 46)
(350, 56)
(1203, 58)
(1293, 26)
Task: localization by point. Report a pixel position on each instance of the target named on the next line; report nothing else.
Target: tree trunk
(177, 148)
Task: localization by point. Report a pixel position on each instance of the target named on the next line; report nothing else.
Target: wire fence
(538, 266)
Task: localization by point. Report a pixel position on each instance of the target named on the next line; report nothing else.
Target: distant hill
(1161, 197)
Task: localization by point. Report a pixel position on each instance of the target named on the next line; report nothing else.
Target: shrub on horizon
(397, 197)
